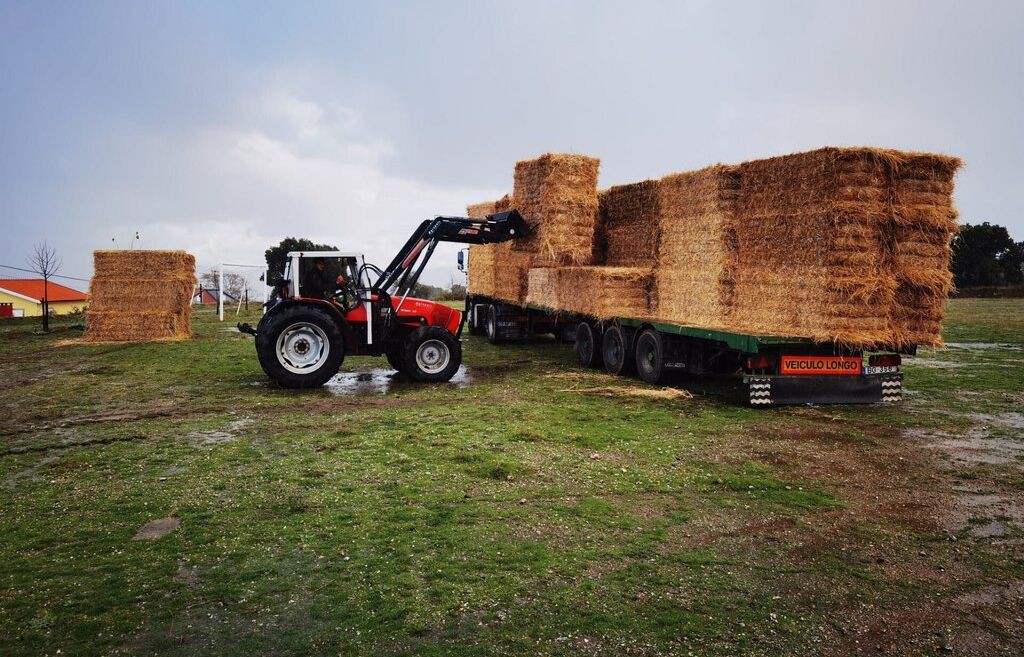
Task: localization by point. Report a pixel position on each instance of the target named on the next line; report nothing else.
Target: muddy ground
(165, 499)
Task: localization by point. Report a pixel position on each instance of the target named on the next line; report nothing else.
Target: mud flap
(781, 389)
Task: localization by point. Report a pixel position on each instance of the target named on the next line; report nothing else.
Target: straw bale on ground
(140, 295)
(557, 195)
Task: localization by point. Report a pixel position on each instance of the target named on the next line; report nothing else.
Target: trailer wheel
(650, 356)
(431, 354)
(300, 347)
(491, 328)
(615, 351)
(588, 345)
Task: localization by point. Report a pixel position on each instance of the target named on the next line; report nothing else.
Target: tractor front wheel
(300, 347)
(431, 354)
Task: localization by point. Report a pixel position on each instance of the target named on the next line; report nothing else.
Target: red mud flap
(865, 389)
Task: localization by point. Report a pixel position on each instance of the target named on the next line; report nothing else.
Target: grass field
(528, 508)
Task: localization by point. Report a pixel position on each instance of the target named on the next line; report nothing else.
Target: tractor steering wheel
(346, 296)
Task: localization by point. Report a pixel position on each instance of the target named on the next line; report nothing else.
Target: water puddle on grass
(381, 381)
(220, 436)
(983, 346)
(29, 473)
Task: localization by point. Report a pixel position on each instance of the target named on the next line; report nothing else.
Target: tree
(277, 256)
(44, 261)
(235, 285)
(985, 255)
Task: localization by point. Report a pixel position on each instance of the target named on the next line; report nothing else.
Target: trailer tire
(588, 345)
(431, 354)
(300, 347)
(650, 357)
(616, 353)
(491, 328)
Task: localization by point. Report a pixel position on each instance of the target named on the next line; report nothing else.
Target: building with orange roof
(23, 297)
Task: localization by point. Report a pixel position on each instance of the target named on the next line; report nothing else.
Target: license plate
(821, 365)
(879, 369)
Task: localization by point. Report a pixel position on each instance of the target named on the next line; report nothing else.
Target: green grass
(508, 514)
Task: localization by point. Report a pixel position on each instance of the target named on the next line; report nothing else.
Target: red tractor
(332, 304)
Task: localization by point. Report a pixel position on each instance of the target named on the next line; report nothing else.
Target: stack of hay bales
(697, 247)
(140, 295)
(818, 247)
(557, 195)
(629, 225)
(844, 245)
(924, 222)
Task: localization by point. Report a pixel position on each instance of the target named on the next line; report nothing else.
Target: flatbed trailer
(776, 370)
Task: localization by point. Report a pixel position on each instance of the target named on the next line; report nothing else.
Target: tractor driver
(318, 283)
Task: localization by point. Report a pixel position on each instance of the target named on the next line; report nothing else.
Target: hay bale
(696, 247)
(511, 273)
(140, 295)
(542, 288)
(605, 292)
(480, 272)
(557, 195)
(628, 225)
(830, 219)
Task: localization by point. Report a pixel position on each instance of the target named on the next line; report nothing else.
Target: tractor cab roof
(323, 254)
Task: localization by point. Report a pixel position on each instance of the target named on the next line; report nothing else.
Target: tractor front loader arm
(499, 227)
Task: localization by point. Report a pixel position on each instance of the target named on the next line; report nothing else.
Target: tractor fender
(322, 304)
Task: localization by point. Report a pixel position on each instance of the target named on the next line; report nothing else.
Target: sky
(222, 127)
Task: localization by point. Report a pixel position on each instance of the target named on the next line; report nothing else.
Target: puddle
(381, 381)
(931, 362)
(981, 346)
(155, 529)
(975, 448)
(28, 474)
(220, 436)
(1000, 420)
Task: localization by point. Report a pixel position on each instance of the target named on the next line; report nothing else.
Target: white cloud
(289, 166)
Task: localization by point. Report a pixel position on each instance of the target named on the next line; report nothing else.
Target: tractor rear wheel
(431, 354)
(300, 347)
(616, 353)
(588, 345)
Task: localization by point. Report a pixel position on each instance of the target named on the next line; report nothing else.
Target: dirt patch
(155, 529)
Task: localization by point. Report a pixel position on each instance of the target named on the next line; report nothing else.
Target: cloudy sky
(221, 127)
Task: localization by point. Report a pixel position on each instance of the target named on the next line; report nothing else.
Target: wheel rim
(647, 355)
(432, 357)
(302, 348)
(585, 345)
(613, 354)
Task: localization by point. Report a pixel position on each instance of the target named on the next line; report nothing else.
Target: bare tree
(44, 261)
(235, 285)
